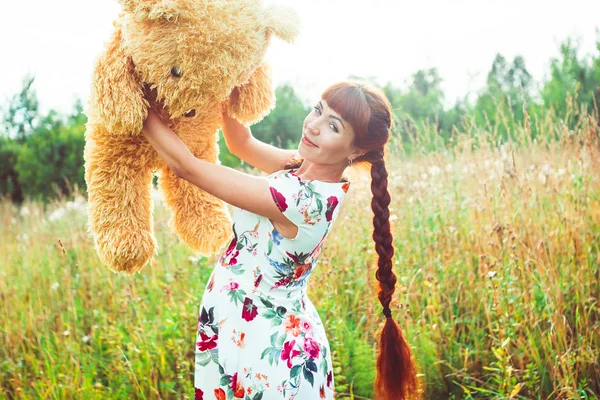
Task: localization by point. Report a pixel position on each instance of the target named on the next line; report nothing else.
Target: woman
(259, 336)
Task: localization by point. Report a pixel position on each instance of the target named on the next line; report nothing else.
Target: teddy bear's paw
(126, 253)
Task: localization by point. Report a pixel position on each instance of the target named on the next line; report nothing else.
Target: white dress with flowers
(259, 335)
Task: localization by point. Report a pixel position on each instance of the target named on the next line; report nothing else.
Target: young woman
(259, 335)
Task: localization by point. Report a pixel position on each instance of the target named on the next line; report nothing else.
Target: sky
(58, 42)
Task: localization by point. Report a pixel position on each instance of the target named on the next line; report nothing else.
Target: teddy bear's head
(195, 52)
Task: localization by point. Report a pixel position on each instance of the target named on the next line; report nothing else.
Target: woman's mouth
(307, 141)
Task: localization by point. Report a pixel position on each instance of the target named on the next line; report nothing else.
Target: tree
(507, 89)
(22, 115)
(572, 76)
(283, 126)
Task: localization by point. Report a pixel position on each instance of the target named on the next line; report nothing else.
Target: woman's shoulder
(306, 202)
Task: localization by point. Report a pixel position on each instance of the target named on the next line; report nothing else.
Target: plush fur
(186, 59)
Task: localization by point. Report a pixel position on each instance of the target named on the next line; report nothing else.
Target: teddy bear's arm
(116, 97)
(251, 102)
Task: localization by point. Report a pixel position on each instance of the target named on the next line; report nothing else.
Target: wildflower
(434, 170)
(57, 214)
(25, 211)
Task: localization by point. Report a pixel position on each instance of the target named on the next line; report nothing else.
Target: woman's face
(326, 137)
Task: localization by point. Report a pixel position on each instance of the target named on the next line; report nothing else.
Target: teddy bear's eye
(176, 72)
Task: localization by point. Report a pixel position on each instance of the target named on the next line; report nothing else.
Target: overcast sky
(58, 41)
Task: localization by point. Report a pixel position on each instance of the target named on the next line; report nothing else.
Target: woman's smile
(308, 142)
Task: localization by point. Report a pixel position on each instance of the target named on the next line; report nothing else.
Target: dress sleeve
(300, 201)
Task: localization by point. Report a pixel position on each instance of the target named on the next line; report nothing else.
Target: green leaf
(281, 340)
(225, 380)
(266, 302)
(311, 365)
(269, 314)
(265, 352)
(274, 339)
(309, 376)
(203, 358)
(281, 311)
(295, 371)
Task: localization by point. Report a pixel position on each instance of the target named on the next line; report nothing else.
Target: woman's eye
(333, 127)
(317, 110)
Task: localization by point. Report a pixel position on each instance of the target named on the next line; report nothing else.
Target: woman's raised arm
(242, 144)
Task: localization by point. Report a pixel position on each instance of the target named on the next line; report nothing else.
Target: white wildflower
(54, 286)
(85, 339)
(25, 211)
(156, 195)
(491, 274)
(57, 214)
(449, 167)
(434, 170)
(67, 332)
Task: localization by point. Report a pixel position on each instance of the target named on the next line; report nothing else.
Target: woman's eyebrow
(333, 116)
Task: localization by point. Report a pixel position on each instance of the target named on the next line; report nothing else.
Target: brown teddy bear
(186, 59)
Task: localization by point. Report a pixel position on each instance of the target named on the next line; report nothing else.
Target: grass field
(498, 285)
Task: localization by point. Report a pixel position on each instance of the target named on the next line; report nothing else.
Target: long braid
(369, 113)
(396, 372)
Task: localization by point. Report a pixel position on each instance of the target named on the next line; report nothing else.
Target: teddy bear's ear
(129, 5)
(282, 21)
(154, 9)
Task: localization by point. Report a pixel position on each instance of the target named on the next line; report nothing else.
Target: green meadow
(498, 282)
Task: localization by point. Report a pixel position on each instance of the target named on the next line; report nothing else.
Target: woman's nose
(312, 127)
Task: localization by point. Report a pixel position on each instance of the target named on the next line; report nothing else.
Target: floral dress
(259, 335)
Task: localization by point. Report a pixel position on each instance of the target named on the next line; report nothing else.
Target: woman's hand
(166, 143)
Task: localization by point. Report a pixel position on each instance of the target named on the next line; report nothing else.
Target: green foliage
(9, 182)
(225, 156)
(51, 161)
(22, 114)
(283, 126)
(41, 154)
(575, 77)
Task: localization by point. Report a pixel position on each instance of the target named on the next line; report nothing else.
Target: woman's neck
(321, 172)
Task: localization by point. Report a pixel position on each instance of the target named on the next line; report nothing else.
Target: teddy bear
(186, 59)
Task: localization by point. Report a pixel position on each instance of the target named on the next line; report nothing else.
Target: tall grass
(497, 247)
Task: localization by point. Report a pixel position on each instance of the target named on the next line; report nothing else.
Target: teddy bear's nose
(190, 113)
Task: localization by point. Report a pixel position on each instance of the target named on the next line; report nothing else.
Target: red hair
(369, 113)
